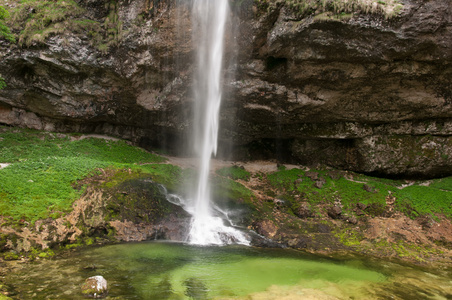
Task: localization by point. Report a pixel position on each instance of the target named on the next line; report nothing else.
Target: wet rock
(298, 181)
(266, 228)
(376, 209)
(298, 243)
(90, 267)
(351, 219)
(359, 212)
(335, 175)
(426, 222)
(335, 212)
(95, 287)
(361, 206)
(368, 188)
(279, 204)
(312, 175)
(319, 183)
(258, 240)
(304, 211)
(323, 228)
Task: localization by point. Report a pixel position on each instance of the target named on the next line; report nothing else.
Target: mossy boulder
(95, 287)
(140, 200)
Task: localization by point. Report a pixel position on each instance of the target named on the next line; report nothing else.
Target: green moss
(348, 237)
(46, 254)
(235, 173)
(349, 192)
(119, 176)
(89, 241)
(5, 33)
(34, 21)
(170, 176)
(73, 245)
(353, 188)
(224, 188)
(422, 200)
(10, 256)
(38, 19)
(444, 184)
(44, 168)
(388, 8)
(138, 200)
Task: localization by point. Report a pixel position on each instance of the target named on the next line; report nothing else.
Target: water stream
(209, 18)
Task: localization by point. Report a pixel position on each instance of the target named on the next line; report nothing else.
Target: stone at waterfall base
(95, 287)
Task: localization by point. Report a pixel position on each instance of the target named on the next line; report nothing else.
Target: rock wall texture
(358, 92)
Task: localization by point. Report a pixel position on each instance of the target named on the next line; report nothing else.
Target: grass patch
(224, 188)
(20, 145)
(419, 200)
(35, 189)
(351, 189)
(41, 181)
(168, 175)
(33, 21)
(44, 168)
(348, 192)
(235, 173)
(5, 32)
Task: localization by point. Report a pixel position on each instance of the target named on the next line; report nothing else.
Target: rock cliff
(358, 91)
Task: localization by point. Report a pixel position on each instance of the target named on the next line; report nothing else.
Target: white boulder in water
(95, 287)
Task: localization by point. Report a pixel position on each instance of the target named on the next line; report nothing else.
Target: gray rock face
(362, 93)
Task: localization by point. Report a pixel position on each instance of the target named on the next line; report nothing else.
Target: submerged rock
(95, 287)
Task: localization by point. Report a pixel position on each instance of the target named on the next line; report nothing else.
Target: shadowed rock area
(360, 92)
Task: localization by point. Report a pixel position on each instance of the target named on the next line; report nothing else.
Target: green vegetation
(5, 33)
(33, 21)
(224, 188)
(38, 19)
(45, 167)
(234, 172)
(388, 8)
(170, 176)
(112, 27)
(47, 172)
(4, 30)
(350, 189)
(419, 200)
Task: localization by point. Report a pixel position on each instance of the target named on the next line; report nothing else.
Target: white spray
(209, 21)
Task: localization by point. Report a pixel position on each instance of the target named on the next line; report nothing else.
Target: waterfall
(209, 22)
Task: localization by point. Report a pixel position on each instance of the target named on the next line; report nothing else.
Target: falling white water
(209, 21)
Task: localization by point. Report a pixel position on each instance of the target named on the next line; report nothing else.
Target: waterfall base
(212, 231)
(209, 229)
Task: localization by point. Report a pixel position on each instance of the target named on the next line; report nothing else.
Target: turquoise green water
(156, 270)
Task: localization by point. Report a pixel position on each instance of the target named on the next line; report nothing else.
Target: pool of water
(158, 270)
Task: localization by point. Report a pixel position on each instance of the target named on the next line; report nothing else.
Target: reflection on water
(158, 270)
